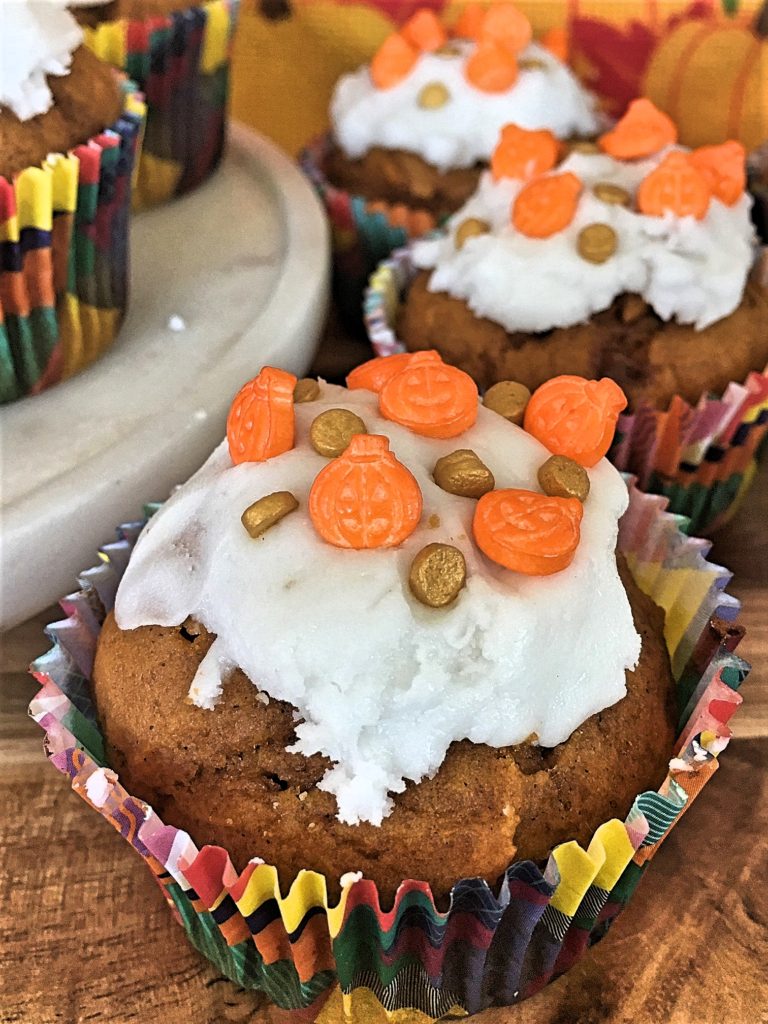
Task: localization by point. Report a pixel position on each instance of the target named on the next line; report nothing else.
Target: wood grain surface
(85, 935)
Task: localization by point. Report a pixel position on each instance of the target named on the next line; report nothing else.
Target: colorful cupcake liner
(702, 458)
(64, 257)
(181, 62)
(353, 961)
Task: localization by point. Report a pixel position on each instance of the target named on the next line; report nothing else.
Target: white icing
(692, 270)
(382, 684)
(466, 129)
(37, 38)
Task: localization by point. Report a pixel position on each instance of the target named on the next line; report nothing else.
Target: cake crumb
(433, 522)
(302, 797)
(177, 323)
(311, 825)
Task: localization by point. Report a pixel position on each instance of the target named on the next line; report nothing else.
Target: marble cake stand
(241, 266)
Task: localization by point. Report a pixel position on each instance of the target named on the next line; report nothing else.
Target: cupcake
(386, 634)
(69, 129)
(413, 131)
(179, 55)
(637, 262)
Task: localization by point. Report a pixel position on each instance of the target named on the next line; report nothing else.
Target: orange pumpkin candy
(374, 374)
(521, 153)
(261, 419)
(365, 498)
(546, 205)
(676, 186)
(424, 31)
(430, 398)
(393, 61)
(575, 417)
(642, 131)
(492, 67)
(528, 532)
(469, 24)
(507, 26)
(724, 170)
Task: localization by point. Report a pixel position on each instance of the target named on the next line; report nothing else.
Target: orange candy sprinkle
(642, 131)
(470, 22)
(575, 417)
(528, 532)
(556, 41)
(260, 423)
(430, 398)
(374, 374)
(392, 61)
(424, 31)
(507, 26)
(365, 498)
(523, 154)
(676, 186)
(491, 68)
(723, 168)
(546, 205)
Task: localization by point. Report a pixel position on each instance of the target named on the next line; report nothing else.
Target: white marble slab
(244, 261)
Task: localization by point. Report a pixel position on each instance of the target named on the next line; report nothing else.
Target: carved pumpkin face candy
(430, 397)
(527, 532)
(576, 417)
(260, 424)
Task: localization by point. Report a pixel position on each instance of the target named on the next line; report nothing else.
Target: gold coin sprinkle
(332, 431)
(448, 50)
(307, 390)
(267, 511)
(433, 96)
(531, 64)
(584, 146)
(561, 477)
(463, 473)
(596, 243)
(470, 228)
(508, 399)
(615, 195)
(438, 572)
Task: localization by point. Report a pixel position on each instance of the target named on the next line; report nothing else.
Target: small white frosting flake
(382, 684)
(464, 130)
(688, 269)
(37, 38)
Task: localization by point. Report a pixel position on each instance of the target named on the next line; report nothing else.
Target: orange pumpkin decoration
(642, 131)
(491, 68)
(375, 373)
(674, 187)
(546, 205)
(575, 417)
(555, 40)
(365, 498)
(469, 24)
(507, 26)
(528, 532)
(723, 168)
(523, 154)
(430, 398)
(393, 61)
(260, 423)
(424, 31)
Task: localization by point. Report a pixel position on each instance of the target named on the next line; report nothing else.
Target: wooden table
(85, 936)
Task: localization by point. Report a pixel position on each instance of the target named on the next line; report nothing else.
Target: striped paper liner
(702, 458)
(181, 62)
(64, 257)
(352, 959)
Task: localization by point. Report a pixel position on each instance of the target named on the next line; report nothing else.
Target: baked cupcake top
(545, 244)
(446, 100)
(405, 566)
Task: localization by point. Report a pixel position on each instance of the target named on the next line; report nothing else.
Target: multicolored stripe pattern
(702, 459)
(352, 961)
(64, 257)
(181, 62)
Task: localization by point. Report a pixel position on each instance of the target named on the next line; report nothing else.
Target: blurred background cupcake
(179, 55)
(69, 133)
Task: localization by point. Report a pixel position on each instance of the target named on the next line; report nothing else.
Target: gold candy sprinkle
(561, 477)
(332, 431)
(463, 473)
(508, 399)
(531, 64)
(584, 146)
(615, 195)
(596, 243)
(307, 390)
(448, 50)
(433, 96)
(438, 572)
(470, 228)
(267, 511)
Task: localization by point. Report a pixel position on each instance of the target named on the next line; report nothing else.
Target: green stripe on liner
(9, 385)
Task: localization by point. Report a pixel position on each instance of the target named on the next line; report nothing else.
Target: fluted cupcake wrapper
(64, 257)
(702, 458)
(352, 960)
(181, 61)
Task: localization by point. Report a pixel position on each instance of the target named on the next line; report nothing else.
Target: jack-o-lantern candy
(393, 61)
(521, 153)
(365, 498)
(642, 131)
(724, 169)
(430, 397)
(575, 417)
(676, 186)
(261, 419)
(374, 374)
(528, 532)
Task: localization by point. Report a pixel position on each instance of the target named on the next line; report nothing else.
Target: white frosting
(382, 684)
(466, 129)
(693, 270)
(37, 38)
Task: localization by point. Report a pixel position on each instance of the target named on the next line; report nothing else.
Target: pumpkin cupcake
(636, 262)
(69, 130)
(383, 634)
